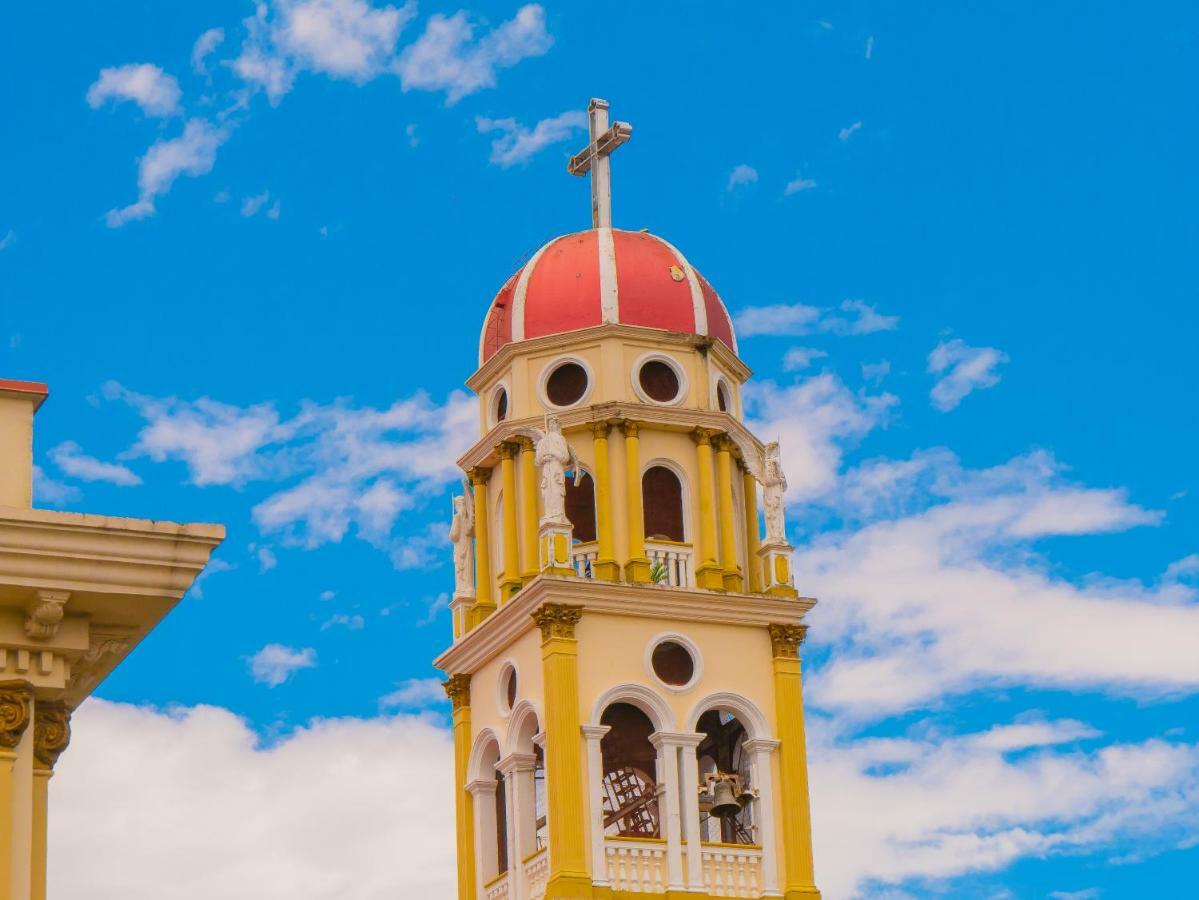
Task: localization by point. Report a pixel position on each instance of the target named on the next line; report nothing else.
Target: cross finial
(594, 159)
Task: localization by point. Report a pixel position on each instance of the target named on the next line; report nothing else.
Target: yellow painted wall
(16, 451)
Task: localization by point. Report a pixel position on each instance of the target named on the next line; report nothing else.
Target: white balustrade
(674, 559)
(498, 889)
(636, 865)
(537, 873)
(731, 871)
(583, 558)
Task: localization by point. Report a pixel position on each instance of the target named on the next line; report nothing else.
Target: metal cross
(594, 159)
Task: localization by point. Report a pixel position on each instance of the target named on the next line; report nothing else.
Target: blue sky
(960, 243)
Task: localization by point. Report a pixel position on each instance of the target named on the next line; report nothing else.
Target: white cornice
(514, 618)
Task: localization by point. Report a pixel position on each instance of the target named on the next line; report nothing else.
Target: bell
(724, 799)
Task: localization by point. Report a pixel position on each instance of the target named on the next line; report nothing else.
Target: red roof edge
(37, 388)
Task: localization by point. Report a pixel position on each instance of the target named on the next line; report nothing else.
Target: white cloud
(876, 372)
(252, 205)
(518, 144)
(415, 693)
(192, 153)
(155, 91)
(741, 175)
(855, 317)
(870, 47)
(797, 184)
(204, 46)
(846, 133)
(215, 567)
(8, 238)
(275, 663)
(962, 370)
(343, 620)
(328, 595)
(55, 493)
(798, 358)
(447, 58)
(266, 559)
(211, 809)
(70, 458)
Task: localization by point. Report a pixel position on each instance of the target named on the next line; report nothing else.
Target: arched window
(630, 766)
(580, 507)
(724, 759)
(662, 500)
(501, 824)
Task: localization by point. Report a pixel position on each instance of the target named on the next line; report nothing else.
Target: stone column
(606, 567)
(678, 799)
(761, 751)
(568, 878)
(732, 577)
(51, 734)
(457, 688)
(709, 574)
(482, 792)
(637, 567)
(799, 883)
(753, 536)
(528, 511)
(510, 583)
(16, 709)
(695, 871)
(517, 769)
(594, 734)
(484, 577)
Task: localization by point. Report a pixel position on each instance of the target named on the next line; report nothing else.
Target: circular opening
(566, 385)
(722, 397)
(501, 405)
(659, 381)
(509, 688)
(673, 664)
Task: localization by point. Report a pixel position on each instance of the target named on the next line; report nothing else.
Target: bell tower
(625, 671)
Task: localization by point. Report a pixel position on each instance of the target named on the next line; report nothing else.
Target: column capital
(482, 786)
(595, 732)
(507, 449)
(629, 428)
(524, 442)
(785, 639)
(599, 430)
(685, 739)
(479, 476)
(51, 731)
(724, 443)
(15, 706)
(457, 688)
(704, 436)
(516, 762)
(557, 620)
(767, 745)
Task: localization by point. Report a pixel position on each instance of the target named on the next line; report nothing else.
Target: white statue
(554, 456)
(774, 486)
(462, 533)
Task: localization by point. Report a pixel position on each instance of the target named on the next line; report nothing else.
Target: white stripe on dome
(697, 294)
(522, 291)
(609, 293)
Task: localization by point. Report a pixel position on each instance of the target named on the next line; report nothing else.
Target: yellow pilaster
(637, 567)
(732, 577)
(565, 799)
(484, 603)
(528, 512)
(16, 709)
(753, 538)
(709, 574)
(799, 882)
(605, 567)
(457, 688)
(51, 734)
(510, 583)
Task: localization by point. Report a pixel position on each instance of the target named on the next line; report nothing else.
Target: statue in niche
(774, 486)
(554, 456)
(462, 533)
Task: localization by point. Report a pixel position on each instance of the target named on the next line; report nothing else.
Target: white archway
(756, 724)
(645, 699)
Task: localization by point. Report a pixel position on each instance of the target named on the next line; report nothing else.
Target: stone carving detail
(554, 456)
(42, 623)
(15, 698)
(51, 731)
(774, 486)
(462, 534)
(785, 639)
(457, 688)
(557, 620)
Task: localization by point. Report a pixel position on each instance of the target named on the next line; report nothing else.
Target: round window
(508, 688)
(673, 664)
(659, 381)
(566, 385)
(501, 405)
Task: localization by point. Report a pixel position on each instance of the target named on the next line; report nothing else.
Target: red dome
(604, 275)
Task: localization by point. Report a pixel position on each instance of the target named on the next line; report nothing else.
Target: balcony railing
(672, 560)
(583, 558)
(537, 873)
(497, 889)
(636, 864)
(731, 870)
